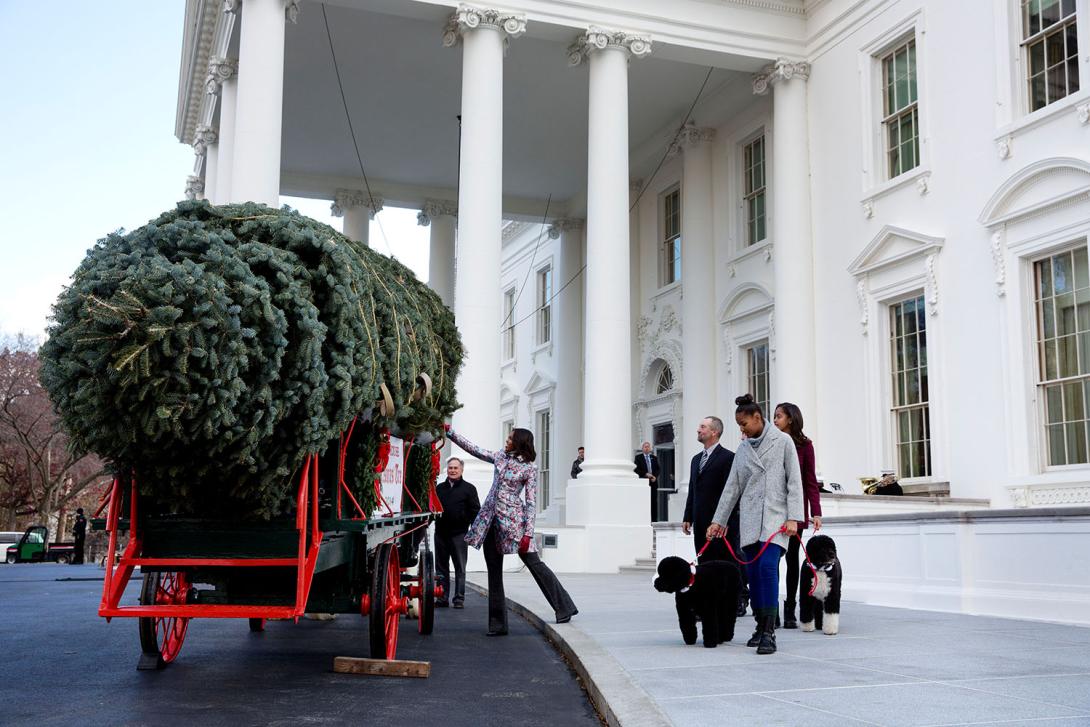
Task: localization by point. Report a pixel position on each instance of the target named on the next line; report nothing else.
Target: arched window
(666, 380)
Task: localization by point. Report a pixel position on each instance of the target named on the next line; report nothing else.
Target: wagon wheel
(425, 598)
(387, 605)
(257, 624)
(161, 637)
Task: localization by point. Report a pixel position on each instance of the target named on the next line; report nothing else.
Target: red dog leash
(764, 547)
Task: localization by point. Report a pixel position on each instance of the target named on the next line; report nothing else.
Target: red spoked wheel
(161, 637)
(387, 605)
(424, 592)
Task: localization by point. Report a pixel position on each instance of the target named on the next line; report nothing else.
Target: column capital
(782, 70)
(291, 8)
(691, 136)
(436, 208)
(470, 17)
(194, 187)
(204, 137)
(565, 224)
(346, 199)
(219, 70)
(596, 39)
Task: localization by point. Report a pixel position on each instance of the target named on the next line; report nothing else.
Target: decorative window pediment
(893, 245)
(1042, 185)
(746, 300)
(539, 383)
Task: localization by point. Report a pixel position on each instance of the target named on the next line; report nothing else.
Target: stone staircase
(642, 565)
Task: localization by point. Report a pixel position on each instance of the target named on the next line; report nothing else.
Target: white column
(442, 216)
(204, 144)
(357, 209)
(568, 417)
(793, 376)
(698, 335)
(483, 33)
(608, 502)
(255, 173)
(223, 80)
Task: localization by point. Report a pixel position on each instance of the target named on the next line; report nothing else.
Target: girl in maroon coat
(788, 419)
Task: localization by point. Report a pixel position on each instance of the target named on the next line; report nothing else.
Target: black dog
(826, 598)
(710, 594)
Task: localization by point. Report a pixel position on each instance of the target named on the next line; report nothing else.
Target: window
(544, 305)
(508, 427)
(911, 414)
(754, 173)
(665, 381)
(544, 451)
(901, 109)
(509, 325)
(1051, 50)
(671, 237)
(1063, 352)
(758, 374)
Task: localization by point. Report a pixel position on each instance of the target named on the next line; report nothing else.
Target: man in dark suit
(708, 473)
(460, 507)
(647, 468)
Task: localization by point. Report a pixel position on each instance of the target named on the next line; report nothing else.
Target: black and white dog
(710, 593)
(821, 610)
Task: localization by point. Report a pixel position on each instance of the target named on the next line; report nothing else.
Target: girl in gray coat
(767, 478)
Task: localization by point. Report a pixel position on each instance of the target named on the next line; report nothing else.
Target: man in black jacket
(460, 507)
(647, 468)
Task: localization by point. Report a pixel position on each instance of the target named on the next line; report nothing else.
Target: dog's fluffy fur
(713, 597)
(821, 610)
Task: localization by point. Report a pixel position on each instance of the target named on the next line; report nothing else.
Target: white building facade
(875, 209)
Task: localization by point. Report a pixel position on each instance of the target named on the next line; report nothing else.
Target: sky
(88, 133)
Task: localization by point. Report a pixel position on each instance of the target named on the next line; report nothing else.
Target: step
(647, 562)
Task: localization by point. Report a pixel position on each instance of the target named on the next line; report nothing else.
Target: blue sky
(88, 135)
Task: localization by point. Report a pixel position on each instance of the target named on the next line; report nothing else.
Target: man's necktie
(703, 461)
(647, 460)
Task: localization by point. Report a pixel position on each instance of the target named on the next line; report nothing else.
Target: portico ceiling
(404, 95)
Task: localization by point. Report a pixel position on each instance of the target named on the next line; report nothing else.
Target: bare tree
(40, 474)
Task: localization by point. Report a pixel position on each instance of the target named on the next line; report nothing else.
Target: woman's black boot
(767, 644)
(789, 621)
(755, 640)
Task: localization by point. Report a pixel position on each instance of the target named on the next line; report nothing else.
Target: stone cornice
(564, 224)
(346, 199)
(781, 70)
(469, 17)
(597, 39)
(436, 208)
(219, 70)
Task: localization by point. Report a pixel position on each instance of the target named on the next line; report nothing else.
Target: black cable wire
(646, 184)
(352, 131)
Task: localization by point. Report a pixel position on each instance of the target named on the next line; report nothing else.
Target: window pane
(1068, 7)
(1056, 452)
(912, 387)
(1044, 279)
(1037, 96)
(1067, 352)
(912, 73)
(1033, 17)
(1057, 82)
(1054, 49)
(1054, 404)
(1074, 409)
(1072, 75)
(1076, 443)
(1050, 366)
(1037, 58)
(912, 360)
(1050, 12)
(1071, 31)
(910, 316)
(1061, 273)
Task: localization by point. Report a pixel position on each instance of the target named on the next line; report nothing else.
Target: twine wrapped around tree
(215, 347)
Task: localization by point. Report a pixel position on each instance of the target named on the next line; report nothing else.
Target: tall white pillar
(608, 502)
(205, 146)
(569, 370)
(483, 33)
(698, 334)
(442, 216)
(223, 80)
(793, 376)
(358, 209)
(255, 173)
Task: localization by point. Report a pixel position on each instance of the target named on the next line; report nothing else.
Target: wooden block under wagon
(381, 667)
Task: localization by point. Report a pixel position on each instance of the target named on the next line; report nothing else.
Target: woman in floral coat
(505, 524)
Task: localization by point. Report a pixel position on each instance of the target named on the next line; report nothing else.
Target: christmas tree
(212, 349)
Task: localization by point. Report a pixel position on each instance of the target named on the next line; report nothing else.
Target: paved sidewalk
(893, 667)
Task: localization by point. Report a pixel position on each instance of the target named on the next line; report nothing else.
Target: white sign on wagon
(392, 478)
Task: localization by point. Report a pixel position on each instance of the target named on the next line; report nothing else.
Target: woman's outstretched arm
(478, 452)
